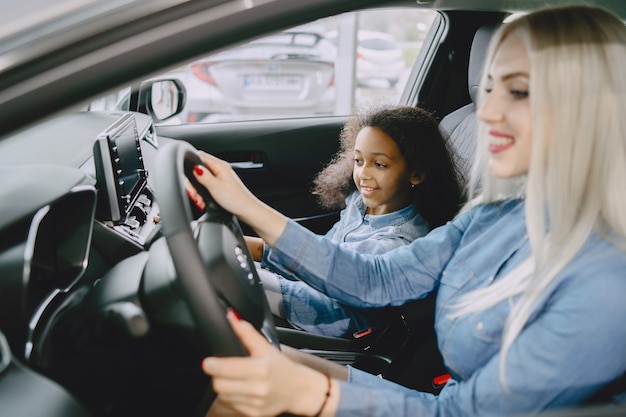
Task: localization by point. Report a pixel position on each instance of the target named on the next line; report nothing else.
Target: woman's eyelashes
(516, 93)
(519, 94)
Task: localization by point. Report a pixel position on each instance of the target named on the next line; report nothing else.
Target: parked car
(107, 304)
(379, 57)
(286, 74)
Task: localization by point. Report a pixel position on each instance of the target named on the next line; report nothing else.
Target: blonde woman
(530, 277)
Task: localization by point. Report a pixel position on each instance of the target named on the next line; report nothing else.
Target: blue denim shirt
(310, 310)
(573, 344)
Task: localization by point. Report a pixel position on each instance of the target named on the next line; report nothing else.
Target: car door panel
(276, 159)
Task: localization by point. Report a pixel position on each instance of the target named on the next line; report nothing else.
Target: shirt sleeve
(362, 280)
(379, 244)
(569, 351)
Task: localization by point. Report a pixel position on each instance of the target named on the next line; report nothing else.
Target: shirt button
(479, 326)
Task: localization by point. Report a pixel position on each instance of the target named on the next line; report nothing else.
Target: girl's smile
(367, 191)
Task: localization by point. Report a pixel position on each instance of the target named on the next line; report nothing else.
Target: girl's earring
(412, 185)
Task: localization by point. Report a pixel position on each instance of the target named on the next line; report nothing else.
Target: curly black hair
(426, 150)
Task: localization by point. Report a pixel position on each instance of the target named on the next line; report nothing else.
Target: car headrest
(478, 54)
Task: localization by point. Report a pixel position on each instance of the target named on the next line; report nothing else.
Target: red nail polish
(234, 313)
(198, 170)
(195, 201)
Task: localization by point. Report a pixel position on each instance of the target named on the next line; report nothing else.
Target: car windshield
(27, 24)
(24, 22)
(18, 16)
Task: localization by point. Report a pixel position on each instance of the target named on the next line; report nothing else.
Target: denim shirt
(573, 344)
(315, 312)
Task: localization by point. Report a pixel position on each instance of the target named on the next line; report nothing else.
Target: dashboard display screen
(120, 171)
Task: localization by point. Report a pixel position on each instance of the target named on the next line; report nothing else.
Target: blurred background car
(379, 57)
(286, 74)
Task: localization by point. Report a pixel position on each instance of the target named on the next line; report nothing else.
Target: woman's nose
(490, 109)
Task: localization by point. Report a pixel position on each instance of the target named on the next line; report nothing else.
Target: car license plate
(272, 82)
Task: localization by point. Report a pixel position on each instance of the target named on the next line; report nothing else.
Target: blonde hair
(577, 96)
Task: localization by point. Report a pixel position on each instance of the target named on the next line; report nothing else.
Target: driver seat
(461, 124)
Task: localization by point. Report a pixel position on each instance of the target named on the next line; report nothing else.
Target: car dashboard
(61, 232)
(90, 296)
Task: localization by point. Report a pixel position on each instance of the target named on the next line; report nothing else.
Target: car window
(326, 67)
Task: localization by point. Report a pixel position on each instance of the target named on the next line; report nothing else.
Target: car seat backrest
(461, 124)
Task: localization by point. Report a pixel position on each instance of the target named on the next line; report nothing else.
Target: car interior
(114, 285)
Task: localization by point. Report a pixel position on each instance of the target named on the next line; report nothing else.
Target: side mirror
(162, 99)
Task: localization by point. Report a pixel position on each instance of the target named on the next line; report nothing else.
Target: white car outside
(379, 57)
(286, 74)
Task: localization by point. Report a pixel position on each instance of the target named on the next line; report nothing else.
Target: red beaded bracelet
(319, 413)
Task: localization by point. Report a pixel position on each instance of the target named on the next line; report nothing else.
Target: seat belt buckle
(358, 335)
(441, 380)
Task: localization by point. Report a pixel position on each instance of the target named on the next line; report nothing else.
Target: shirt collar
(390, 219)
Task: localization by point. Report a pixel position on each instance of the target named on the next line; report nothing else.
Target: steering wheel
(214, 267)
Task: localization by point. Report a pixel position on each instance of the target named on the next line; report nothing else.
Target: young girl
(396, 179)
(530, 278)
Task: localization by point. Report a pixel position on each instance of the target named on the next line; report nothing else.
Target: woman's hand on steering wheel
(266, 382)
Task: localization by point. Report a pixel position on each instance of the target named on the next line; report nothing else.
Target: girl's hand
(255, 246)
(266, 383)
(229, 192)
(223, 183)
(194, 196)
